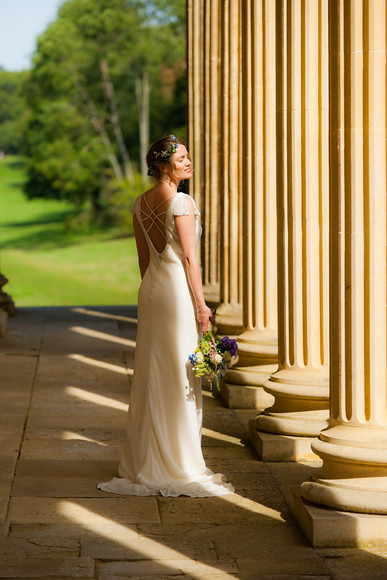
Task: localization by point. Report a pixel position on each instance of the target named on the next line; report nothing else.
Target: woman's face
(182, 163)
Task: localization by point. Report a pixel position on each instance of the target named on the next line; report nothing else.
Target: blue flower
(192, 358)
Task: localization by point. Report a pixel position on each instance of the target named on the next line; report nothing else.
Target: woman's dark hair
(161, 152)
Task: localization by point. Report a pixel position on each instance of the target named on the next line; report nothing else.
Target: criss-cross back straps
(155, 218)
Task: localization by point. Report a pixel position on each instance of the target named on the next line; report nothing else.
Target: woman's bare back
(153, 211)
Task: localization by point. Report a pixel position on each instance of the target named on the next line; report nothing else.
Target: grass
(49, 266)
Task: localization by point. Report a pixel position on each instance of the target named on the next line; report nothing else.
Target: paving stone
(83, 510)
(227, 454)
(3, 507)
(10, 436)
(258, 576)
(17, 372)
(352, 564)
(162, 548)
(14, 548)
(73, 449)
(62, 478)
(4, 529)
(92, 417)
(243, 416)
(21, 341)
(261, 490)
(68, 468)
(256, 539)
(156, 568)
(60, 532)
(291, 474)
(282, 560)
(214, 510)
(232, 467)
(223, 421)
(69, 391)
(57, 487)
(98, 435)
(47, 568)
(7, 466)
(87, 370)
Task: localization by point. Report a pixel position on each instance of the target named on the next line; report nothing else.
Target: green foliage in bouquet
(213, 356)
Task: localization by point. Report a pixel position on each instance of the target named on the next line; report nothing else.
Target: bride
(162, 453)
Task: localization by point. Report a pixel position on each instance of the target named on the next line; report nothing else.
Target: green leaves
(82, 130)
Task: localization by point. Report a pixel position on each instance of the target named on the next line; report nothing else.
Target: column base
(327, 528)
(244, 387)
(352, 478)
(271, 447)
(258, 348)
(300, 408)
(6, 302)
(245, 396)
(229, 319)
(295, 424)
(3, 323)
(211, 295)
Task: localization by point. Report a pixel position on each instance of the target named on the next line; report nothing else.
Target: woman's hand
(205, 318)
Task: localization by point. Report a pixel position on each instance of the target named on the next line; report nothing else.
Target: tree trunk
(108, 90)
(143, 87)
(100, 130)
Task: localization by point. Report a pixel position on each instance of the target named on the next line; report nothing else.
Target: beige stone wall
(301, 120)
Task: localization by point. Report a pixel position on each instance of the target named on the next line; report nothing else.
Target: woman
(162, 453)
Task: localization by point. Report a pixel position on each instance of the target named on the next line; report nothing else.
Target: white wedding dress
(162, 453)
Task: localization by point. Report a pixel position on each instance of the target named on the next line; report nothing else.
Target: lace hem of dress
(208, 485)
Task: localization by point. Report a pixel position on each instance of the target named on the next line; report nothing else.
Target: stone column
(258, 349)
(203, 133)
(300, 385)
(211, 168)
(229, 312)
(354, 447)
(195, 94)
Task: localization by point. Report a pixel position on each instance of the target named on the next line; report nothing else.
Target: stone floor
(64, 375)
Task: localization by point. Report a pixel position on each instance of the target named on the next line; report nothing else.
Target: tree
(11, 110)
(92, 76)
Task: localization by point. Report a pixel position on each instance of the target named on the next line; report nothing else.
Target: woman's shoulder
(133, 209)
(180, 206)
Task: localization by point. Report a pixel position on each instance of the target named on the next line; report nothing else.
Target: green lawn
(47, 266)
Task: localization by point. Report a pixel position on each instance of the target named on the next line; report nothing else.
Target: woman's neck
(169, 183)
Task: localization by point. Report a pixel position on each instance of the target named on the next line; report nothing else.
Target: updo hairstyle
(161, 152)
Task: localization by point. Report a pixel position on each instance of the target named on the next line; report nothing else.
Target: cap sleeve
(133, 209)
(180, 206)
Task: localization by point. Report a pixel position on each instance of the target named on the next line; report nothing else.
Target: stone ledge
(329, 528)
(245, 397)
(275, 447)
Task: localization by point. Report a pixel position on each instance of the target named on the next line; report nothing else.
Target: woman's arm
(142, 247)
(185, 225)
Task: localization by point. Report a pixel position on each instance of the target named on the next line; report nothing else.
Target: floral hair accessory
(163, 156)
(213, 356)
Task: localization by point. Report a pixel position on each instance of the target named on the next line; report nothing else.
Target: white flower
(199, 357)
(227, 356)
(218, 358)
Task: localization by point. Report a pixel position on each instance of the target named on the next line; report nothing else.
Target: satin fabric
(162, 452)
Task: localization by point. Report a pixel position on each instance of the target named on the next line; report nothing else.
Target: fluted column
(258, 349)
(211, 136)
(354, 447)
(229, 313)
(203, 133)
(300, 385)
(195, 94)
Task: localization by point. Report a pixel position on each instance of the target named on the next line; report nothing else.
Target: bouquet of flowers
(213, 356)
